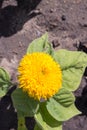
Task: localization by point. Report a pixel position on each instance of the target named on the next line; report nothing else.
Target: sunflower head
(39, 75)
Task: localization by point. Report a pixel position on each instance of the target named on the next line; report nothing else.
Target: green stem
(21, 123)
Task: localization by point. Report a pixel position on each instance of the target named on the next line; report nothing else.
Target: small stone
(55, 43)
(51, 10)
(63, 17)
(20, 44)
(36, 11)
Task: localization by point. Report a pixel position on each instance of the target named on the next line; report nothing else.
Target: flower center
(44, 71)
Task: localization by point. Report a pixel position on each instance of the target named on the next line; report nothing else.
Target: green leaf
(37, 127)
(73, 64)
(45, 121)
(21, 123)
(4, 82)
(40, 45)
(4, 74)
(25, 105)
(60, 112)
(64, 97)
(2, 93)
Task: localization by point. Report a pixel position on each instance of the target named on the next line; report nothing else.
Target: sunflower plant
(47, 80)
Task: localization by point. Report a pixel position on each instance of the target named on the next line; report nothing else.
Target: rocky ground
(66, 23)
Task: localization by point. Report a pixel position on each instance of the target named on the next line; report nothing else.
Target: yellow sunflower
(39, 75)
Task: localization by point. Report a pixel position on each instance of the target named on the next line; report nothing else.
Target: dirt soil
(20, 23)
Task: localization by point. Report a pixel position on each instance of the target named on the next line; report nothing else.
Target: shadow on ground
(81, 101)
(12, 18)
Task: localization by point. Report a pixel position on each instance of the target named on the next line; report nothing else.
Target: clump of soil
(20, 23)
